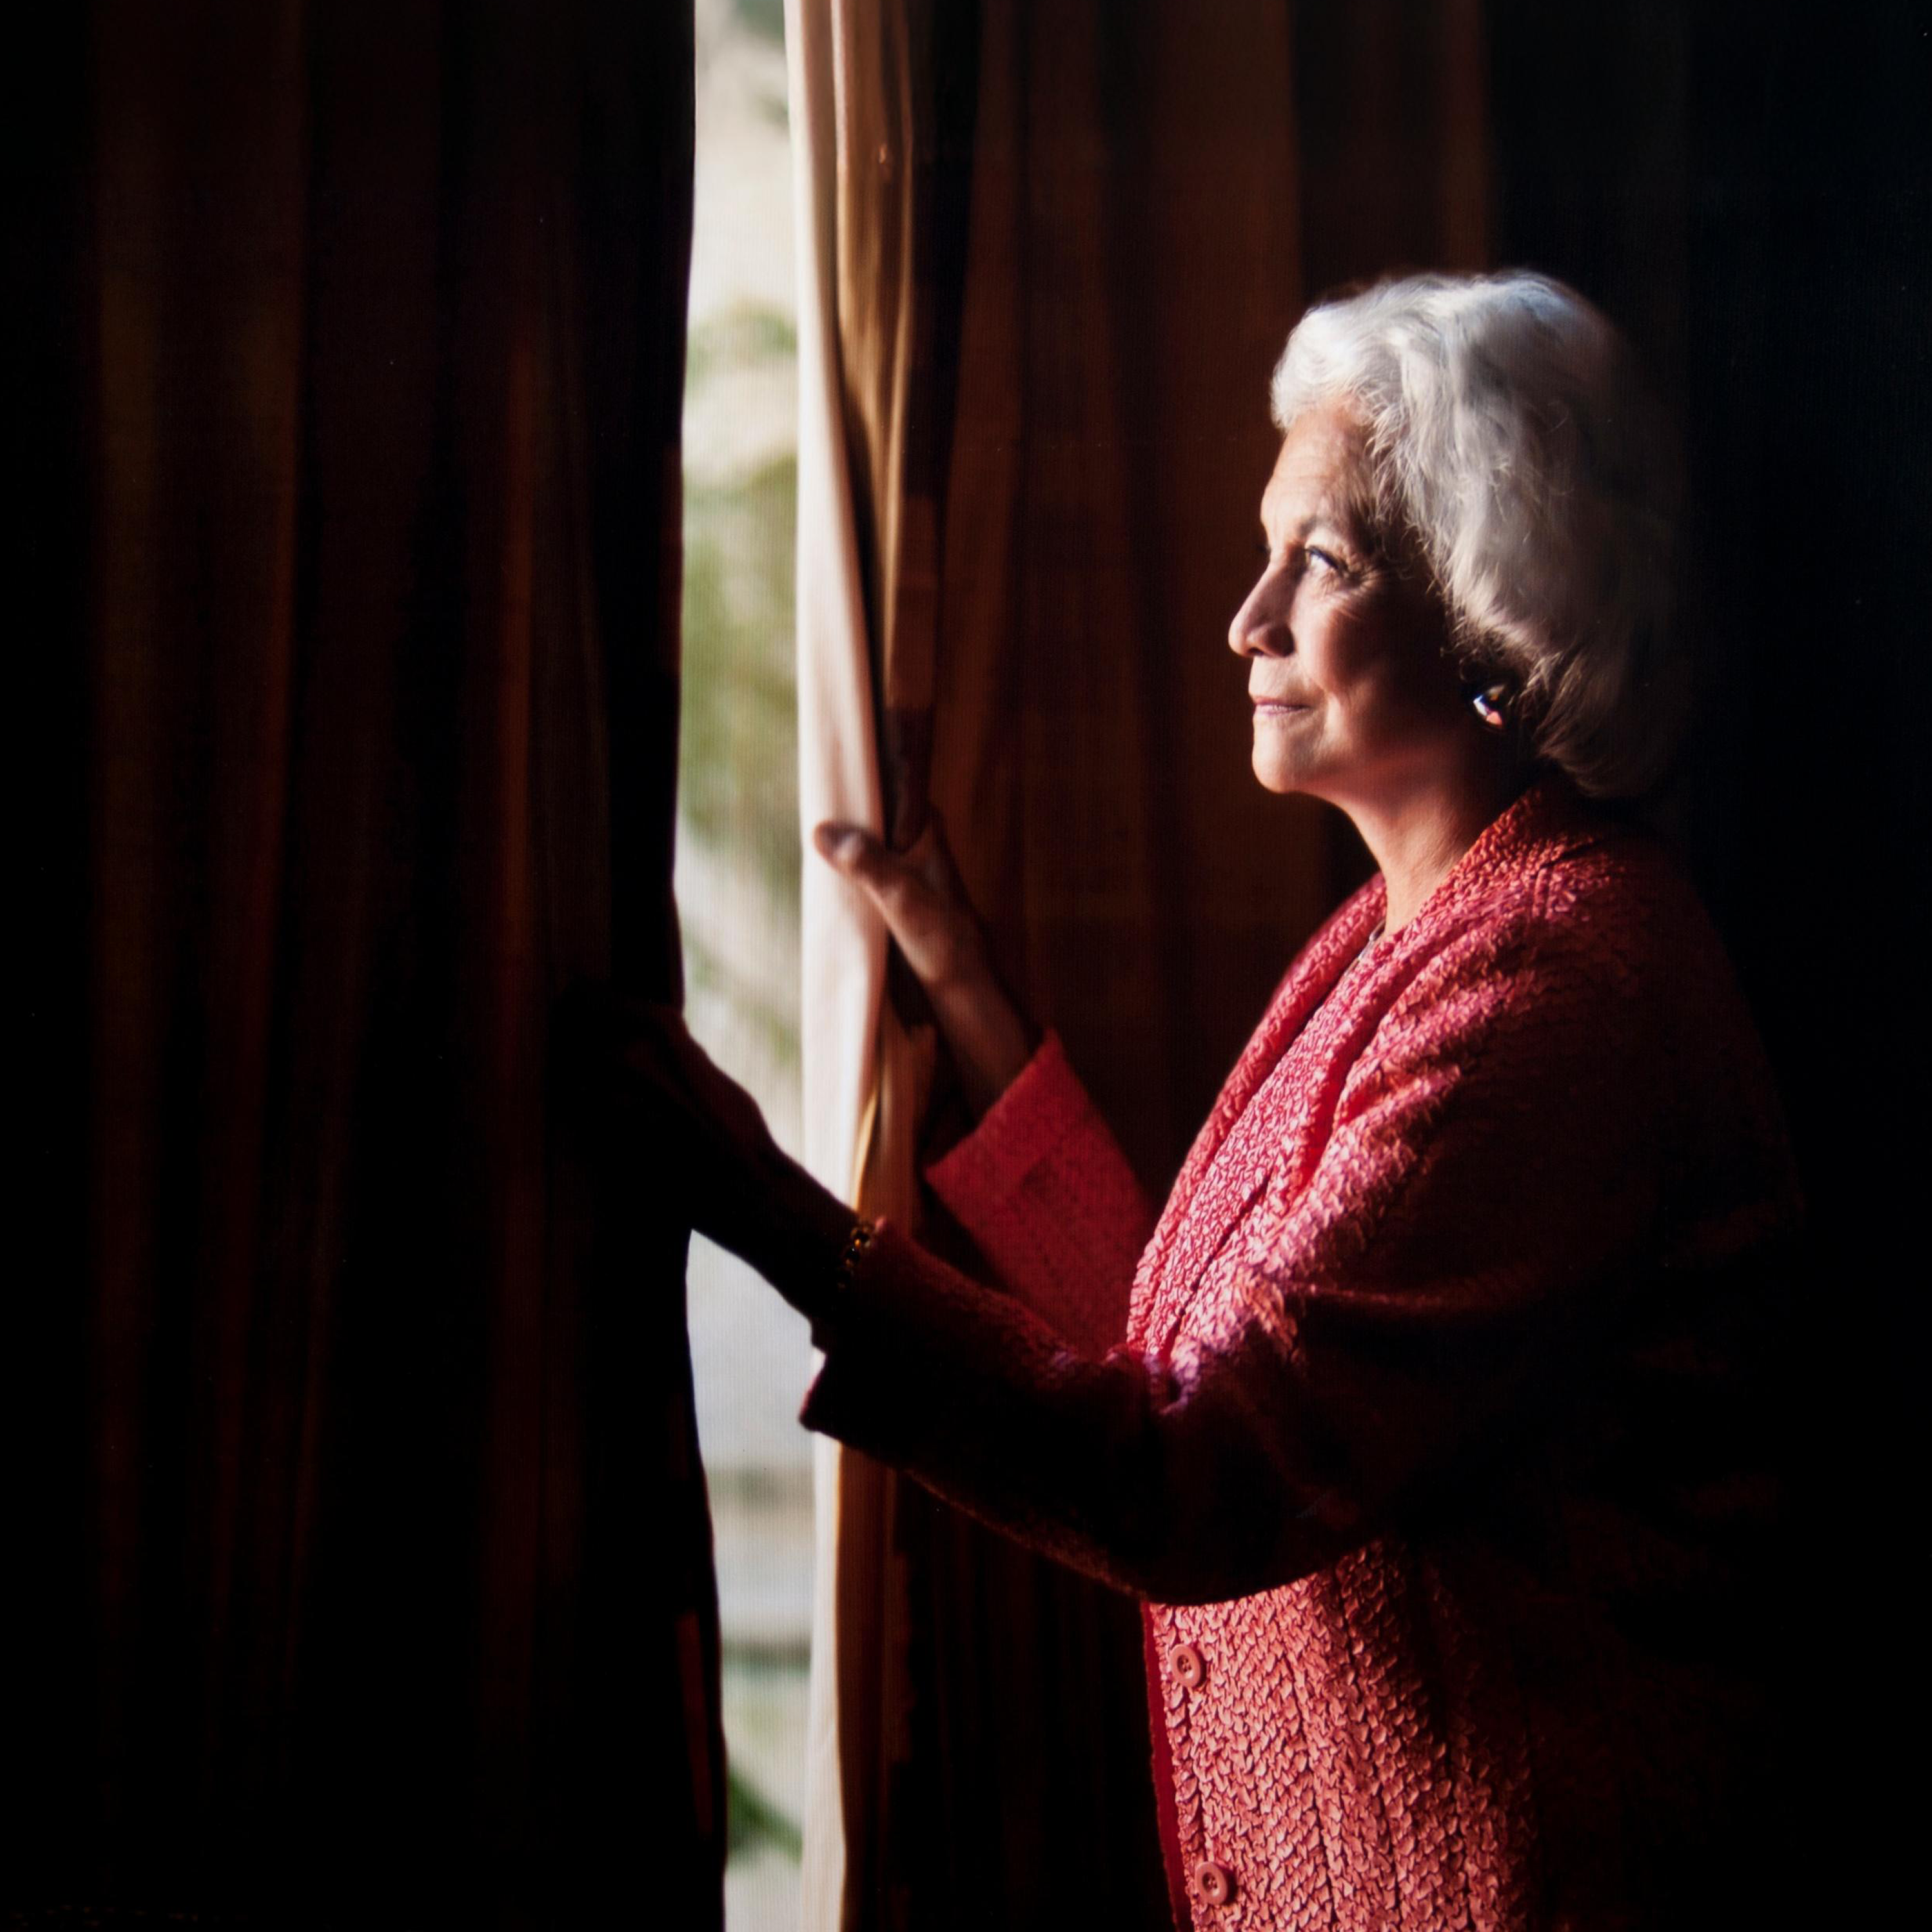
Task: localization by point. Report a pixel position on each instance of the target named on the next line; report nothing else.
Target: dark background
(1747, 189)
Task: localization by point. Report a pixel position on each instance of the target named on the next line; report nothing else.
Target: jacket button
(1215, 1883)
(1187, 1664)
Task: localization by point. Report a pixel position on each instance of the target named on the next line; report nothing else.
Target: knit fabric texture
(1426, 1420)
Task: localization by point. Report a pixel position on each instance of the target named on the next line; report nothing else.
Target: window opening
(737, 882)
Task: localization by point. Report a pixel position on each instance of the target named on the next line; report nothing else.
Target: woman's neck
(1416, 842)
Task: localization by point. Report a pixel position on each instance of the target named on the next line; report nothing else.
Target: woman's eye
(1307, 554)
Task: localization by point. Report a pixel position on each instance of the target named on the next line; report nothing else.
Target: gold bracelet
(856, 1243)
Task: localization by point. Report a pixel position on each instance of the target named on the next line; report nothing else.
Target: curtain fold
(371, 1570)
(1052, 254)
(842, 942)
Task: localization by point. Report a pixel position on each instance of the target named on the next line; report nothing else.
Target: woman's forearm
(798, 1236)
(792, 1229)
(989, 1038)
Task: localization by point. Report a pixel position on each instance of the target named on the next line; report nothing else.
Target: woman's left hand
(703, 1133)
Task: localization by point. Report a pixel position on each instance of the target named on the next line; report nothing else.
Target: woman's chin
(1276, 774)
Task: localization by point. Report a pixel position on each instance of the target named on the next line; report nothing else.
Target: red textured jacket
(1424, 1425)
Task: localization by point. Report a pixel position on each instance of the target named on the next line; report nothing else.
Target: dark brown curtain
(357, 1557)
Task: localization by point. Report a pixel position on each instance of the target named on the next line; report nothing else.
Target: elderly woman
(1418, 1421)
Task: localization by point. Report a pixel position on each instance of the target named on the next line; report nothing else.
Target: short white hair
(1512, 439)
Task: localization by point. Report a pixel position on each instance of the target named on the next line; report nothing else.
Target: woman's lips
(1270, 707)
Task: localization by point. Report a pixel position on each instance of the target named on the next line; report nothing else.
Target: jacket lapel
(1318, 966)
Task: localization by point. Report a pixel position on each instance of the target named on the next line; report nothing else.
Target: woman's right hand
(922, 900)
(919, 895)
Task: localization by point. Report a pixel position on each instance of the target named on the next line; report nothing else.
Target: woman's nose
(1260, 626)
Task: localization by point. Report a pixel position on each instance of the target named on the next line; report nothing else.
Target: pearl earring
(1487, 701)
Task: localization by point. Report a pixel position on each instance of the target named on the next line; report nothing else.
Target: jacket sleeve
(1490, 1163)
(1042, 1186)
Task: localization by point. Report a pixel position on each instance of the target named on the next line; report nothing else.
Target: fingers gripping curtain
(370, 1566)
(1048, 256)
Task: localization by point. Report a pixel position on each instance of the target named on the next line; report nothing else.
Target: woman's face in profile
(1355, 698)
